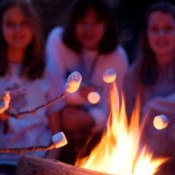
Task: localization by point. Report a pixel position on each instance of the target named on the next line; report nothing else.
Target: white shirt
(67, 60)
(28, 130)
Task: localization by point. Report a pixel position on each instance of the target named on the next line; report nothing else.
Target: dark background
(129, 15)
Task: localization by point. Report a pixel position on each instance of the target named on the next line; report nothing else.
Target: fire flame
(119, 150)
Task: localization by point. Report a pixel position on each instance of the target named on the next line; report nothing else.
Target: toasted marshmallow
(59, 139)
(160, 122)
(109, 75)
(73, 82)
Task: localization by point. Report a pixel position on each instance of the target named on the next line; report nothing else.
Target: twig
(32, 111)
(29, 149)
(59, 140)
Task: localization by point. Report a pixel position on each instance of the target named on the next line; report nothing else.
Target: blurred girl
(152, 78)
(89, 44)
(23, 73)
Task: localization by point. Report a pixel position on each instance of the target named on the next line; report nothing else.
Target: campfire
(119, 151)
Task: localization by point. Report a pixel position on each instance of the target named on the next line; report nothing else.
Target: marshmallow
(160, 122)
(73, 82)
(59, 139)
(93, 97)
(5, 103)
(109, 75)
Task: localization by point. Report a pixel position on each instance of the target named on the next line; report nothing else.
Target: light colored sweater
(67, 60)
(30, 129)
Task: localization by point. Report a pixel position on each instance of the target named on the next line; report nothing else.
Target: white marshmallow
(109, 75)
(160, 122)
(59, 139)
(73, 82)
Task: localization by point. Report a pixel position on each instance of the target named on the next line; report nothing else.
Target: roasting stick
(72, 85)
(59, 140)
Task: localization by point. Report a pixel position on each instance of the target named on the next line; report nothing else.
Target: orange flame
(119, 151)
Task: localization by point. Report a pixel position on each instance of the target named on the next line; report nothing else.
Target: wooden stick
(28, 149)
(32, 111)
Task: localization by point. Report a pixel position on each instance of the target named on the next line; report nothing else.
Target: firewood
(30, 165)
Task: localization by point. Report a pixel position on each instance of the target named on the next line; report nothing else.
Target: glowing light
(93, 97)
(59, 139)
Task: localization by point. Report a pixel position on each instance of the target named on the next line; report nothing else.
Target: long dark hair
(104, 13)
(147, 65)
(33, 64)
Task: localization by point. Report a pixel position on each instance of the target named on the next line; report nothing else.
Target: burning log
(30, 165)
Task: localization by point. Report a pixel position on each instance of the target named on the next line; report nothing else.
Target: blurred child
(24, 74)
(88, 43)
(152, 77)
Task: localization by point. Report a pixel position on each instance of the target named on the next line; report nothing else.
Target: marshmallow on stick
(109, 75)
(160, 122)
(5, 102)
(72, 85)
(59, 139)
(73, 82)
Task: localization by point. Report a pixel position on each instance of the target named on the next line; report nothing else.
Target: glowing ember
(119, 151)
